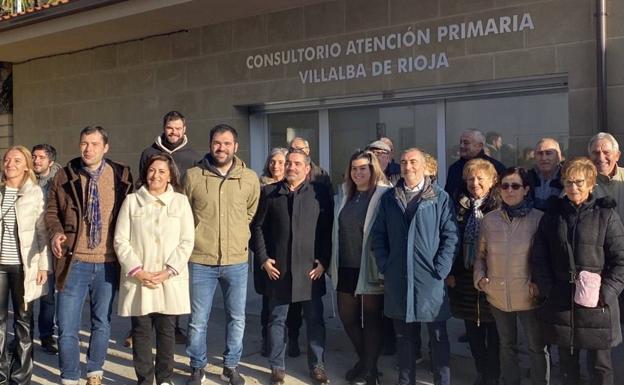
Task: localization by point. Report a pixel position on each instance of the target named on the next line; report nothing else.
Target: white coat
(154, 232)
(33, 238)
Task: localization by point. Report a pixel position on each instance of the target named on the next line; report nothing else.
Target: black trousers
(16, 366)
(484, 346)
(144, 367)
(599, 362)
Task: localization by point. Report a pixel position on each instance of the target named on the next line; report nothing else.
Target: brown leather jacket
(65, 208)
(503, 257)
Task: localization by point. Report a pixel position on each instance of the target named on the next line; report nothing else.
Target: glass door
(412, 125)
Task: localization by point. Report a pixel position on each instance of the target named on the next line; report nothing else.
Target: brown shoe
(94, 380)
(319, 375)
(277, 376)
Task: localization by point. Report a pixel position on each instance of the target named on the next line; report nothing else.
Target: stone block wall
(6, 131)
(128, 87)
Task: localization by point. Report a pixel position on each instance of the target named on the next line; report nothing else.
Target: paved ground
(339, 356)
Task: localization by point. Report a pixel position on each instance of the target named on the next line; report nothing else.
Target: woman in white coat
(153, 240)
(353, 268)
(24, 260)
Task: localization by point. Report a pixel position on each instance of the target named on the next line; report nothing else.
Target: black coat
(184, 157)
(593, 233)
(293, 240)
(455, 183)
(464, 297)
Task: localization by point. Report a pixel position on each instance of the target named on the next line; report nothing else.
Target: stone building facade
(351, 63)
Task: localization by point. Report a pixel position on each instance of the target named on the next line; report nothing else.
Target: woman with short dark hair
(501, 271)
(154, 239)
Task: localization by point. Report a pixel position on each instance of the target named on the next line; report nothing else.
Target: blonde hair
(478, 164)
(30, 172)
(376, 172)
(431, 165)
(581, 165)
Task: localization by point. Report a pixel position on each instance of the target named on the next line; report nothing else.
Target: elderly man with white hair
(604, 151)
(546, 175)
(471, 144)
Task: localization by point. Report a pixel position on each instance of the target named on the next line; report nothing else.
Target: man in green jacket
(224, 195)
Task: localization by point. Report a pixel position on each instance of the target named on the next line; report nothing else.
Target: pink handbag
(587, 289)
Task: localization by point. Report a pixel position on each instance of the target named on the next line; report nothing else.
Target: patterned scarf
(519, 210)
(471, 231)
(93, 215)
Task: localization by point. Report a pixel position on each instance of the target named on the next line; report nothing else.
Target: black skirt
(347, 279)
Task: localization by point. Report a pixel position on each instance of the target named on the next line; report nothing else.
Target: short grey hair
(477, 134)
(305, 142)
(601, 136)
(552, 140)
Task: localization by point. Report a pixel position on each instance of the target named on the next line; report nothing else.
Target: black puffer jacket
(464, 297)
(593, 233)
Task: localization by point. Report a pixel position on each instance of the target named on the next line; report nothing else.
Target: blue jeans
(507, 324)
(47, 306)
(233, 281)
(315, 331)
(408, 337)
(99, 280)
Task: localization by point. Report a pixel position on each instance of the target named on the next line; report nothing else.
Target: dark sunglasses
(507, 186)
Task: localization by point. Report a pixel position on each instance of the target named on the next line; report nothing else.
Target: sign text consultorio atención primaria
(387, 42)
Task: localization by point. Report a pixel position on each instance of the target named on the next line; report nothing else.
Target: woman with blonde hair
(353, 268)
(24, 259)
(467, 303)
(578, 266)
(431, 167)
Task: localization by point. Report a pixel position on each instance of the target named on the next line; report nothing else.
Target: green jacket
(223, 207)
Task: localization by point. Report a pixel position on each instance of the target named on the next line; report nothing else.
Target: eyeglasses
(578, 182)
(507, 186)
(378, 152)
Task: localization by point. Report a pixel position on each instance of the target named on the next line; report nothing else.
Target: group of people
(496, 246)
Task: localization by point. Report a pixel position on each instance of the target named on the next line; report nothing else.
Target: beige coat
(223, 210)
(33, 238)
(154, 232)
(503, 257)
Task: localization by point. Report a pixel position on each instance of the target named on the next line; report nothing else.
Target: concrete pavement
(339, 355)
